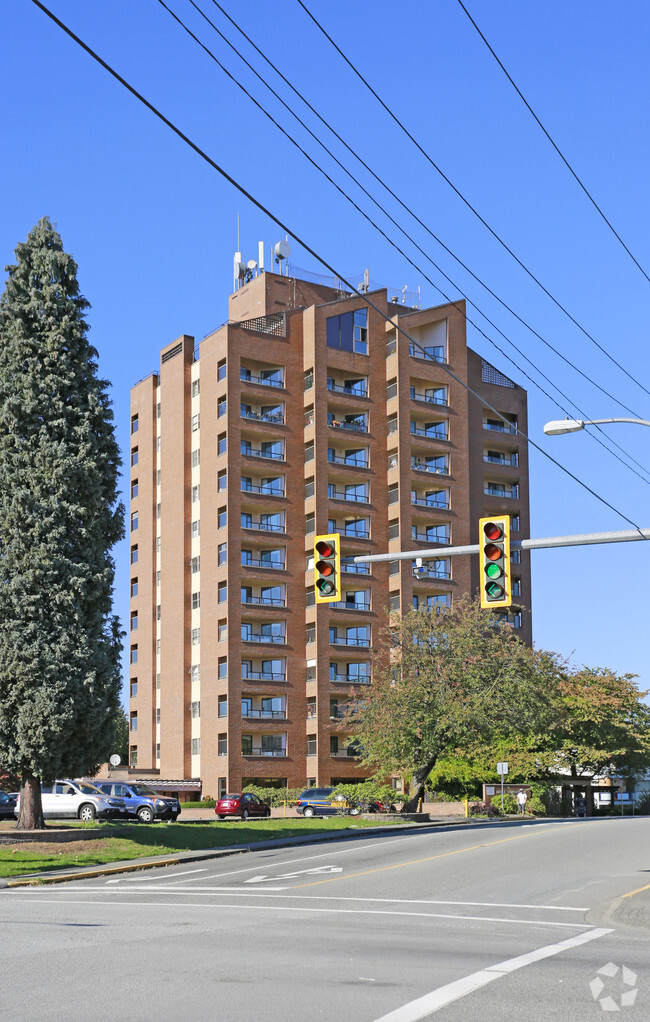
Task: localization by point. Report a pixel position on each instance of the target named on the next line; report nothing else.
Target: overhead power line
(555, 145)
(321, 170)
(472, 208)
(288, 230)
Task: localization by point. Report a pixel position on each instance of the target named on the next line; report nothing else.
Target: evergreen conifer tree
(59, 519)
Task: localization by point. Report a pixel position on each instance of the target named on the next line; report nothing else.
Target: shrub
(483, 809)
(275, 797)
(505, 803)
(535, 805)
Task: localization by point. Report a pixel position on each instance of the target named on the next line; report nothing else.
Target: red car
(243, 805)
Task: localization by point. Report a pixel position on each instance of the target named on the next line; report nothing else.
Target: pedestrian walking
(522, 798)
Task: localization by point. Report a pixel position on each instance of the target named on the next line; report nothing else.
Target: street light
(573, 425)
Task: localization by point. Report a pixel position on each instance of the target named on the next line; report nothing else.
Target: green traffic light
(493, 590)
(493, 571)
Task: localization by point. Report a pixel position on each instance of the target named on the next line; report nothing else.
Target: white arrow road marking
(262, 878)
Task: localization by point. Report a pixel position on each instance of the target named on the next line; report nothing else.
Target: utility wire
(288, 230)
(555, 146)
(320, 169)
(466, 201)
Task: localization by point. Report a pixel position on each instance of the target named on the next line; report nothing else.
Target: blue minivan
(142, 802)
(322, 802)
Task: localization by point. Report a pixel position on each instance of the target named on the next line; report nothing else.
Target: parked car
(242, 804)
(323, 802)
(142, 802)
(78, 799)
(7, 806)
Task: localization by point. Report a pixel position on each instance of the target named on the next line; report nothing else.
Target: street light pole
(558, 426)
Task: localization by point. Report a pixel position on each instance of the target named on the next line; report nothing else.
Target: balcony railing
(421, 466)
(337, 388)
(344, 605)
(502, 459)
(258, 452)
(265, 714)
(440, 502)
(262, 526)
(262, 676)
(254, 751)
(424, 537)
(356, 679)
(341, 640)
(263, 601)
(355, 462)
(263, 382)
(427, 572)
(354, 569)
(496, 491)
(271, 640)
(355, 534)
(356, 498)
(498, 427)
(355, 427)
(271, 491)
(429, 399)
(272, 417)
(436, 354)
(346, 753)
(430, 434)
(254, 562)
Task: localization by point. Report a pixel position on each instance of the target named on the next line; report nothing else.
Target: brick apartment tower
(306, 413)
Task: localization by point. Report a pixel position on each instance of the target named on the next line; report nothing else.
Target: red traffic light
(492, 531)
(325, 549)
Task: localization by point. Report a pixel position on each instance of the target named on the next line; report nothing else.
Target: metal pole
(579, 539)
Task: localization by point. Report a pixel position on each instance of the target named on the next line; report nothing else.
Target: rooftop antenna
(260, 255)
(364, 286)
(239, 270)
(282, 250)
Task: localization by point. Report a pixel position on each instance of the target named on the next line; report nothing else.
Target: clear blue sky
(153, 228)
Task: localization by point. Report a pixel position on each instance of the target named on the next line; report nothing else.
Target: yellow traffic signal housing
(327, 567)
(494, 555)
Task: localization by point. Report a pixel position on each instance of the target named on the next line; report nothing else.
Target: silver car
(78, 800)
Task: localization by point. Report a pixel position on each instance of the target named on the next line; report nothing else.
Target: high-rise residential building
(306, 413)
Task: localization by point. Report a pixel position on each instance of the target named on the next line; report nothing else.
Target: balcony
(426, 571)
(254, 750)
(349, 751)
(275, 418)
(261, 452)
(249, 675)
(252, 714)
(269, 490)
(342, 640)
(264, 638)
(350, 679)
(500, 427)
(429, 432)
(358, 532)
(431, 354)
(349, 424)
(262, 526)
(435, 466)
(428, 397)
(359, 389)
(256, 562)
(349, 495)
(274, 380)
(348, 568)
(344, 605)
(430, 537)
(511, 460)
(437, 501)
(494, 490)
(353, 461)
(263, 601)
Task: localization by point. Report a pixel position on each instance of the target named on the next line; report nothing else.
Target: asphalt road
(504, 923)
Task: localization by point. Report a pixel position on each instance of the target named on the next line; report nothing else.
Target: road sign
(502, 768)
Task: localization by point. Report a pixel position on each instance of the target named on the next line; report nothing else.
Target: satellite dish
(240, 269)
(251, 265)
(115, 760)
(282, 250)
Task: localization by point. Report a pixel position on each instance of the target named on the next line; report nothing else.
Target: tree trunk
(30, 816)
(416, 787)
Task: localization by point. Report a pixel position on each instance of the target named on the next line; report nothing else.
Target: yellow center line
(638, 891)
(414, 862)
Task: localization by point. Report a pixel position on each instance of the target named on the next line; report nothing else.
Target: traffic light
(494, 542)
(327, 567)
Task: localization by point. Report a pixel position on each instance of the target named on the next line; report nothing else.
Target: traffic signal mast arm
(579, 539)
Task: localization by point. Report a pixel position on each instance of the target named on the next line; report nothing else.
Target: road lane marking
(263, 877)
(139, 880)
(312, 910)
(427, 1005)
(638, 891)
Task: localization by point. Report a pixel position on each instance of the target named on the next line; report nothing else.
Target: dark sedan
(241, 804)
(7, 806)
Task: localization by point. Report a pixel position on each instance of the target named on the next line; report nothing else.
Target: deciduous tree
(59, 519)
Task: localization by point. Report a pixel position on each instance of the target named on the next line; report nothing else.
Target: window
(134, 688)
(158, 751)
(158, 477)
(134, 587)
(222, 704)
(134, 423)
(196, 600)
(221, 370)
(158, 444)
(309, 524)
(134, 721)
(158, 410)
(196, 493)
(158, 510)
(196, 528)
(196, 422)
(134, 621)
(196, 636)
(134, 521)
(133, 755)
(158, 578)
(221, 443)
(222, 745)
(309, 452)
(349, 331)
(222, 480)
(222, 553)
(195, 672)
(196, 457)
(309, 379)
(158, 544)
(246, 706)
(311, 633)
(134, 489)
(515, 556)
(134, 555)
(133, 658)
(393, 601)
(222, 630)
(196, 746)
(247, 745)
(195, 709)
(222, 592)
(221, 406)
(157, 716)
(221, 783)
(393, 567)
(157, 681)
(311, 745)
(196, 388)
(222, 518)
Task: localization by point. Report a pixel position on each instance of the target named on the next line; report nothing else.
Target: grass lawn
(115, 842)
